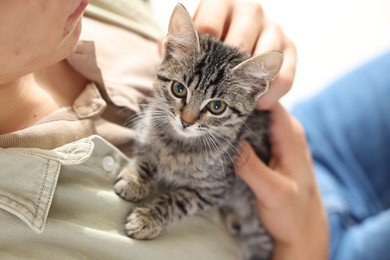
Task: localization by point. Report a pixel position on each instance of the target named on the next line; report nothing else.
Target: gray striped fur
(195, 163)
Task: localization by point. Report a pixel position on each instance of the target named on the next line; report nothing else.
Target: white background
(332, 36)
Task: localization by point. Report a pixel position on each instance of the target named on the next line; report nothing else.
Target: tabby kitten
(189, 132)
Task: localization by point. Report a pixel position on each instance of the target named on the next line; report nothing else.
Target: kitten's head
(207, 87)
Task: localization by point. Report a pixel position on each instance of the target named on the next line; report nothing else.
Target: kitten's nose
(188, 117)
(185, 124)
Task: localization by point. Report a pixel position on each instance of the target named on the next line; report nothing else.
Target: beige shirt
(56, 177)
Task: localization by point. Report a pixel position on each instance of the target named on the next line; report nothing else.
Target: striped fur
(195, 162)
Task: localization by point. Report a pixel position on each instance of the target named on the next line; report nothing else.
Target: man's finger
(211, 17)
(271, 38)
(246, 25)
(269, 187)
(288, 142)
(283, 82)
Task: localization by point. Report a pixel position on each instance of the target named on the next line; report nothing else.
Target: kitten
(189, 132)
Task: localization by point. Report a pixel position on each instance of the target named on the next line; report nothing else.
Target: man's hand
(288, 199)
(242, 23)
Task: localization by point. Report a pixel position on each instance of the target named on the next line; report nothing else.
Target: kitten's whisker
(218, 146)
(131, 121)
(233, 146)
(226, 140)
(206, 144)
(247, 127)
(158, 122)
(137, 118)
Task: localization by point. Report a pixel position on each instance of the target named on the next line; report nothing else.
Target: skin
(34, 79)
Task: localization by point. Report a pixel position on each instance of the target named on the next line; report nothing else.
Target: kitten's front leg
(135, 181)
(148, 221)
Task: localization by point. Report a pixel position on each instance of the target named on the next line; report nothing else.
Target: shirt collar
(29, 178)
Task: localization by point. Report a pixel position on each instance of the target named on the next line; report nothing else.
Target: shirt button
(108, 163)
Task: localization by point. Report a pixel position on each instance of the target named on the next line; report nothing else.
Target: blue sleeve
(348, 131)
(368, 240)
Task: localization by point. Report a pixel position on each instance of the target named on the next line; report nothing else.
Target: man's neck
(20, 104)
(30, 98)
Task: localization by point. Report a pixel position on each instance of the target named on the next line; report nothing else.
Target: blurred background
(332, 36)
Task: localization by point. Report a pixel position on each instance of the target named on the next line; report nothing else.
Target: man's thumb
(262, 180)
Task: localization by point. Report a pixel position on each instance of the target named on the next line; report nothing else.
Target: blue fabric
(348, 130)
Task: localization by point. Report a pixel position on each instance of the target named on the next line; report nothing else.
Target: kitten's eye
(179, 90)
(216, 107)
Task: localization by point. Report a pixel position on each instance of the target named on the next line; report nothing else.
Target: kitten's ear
(182, 38)
(259, 71)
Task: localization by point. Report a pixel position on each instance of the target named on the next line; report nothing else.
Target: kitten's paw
(130, 187)
(142, 224)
